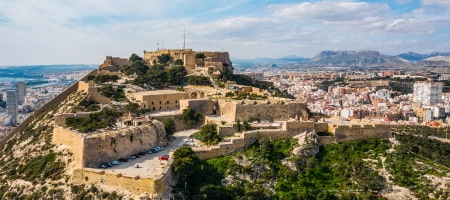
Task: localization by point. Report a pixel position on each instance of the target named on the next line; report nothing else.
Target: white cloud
(445, 3)
(330, 11)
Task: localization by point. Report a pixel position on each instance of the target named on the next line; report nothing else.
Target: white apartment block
(427, 93)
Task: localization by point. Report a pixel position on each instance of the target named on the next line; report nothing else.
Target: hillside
(410, 168)
(35, 168)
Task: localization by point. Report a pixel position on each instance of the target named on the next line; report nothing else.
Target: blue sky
(85, 31)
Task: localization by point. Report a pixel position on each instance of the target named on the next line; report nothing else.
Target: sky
(85, 31)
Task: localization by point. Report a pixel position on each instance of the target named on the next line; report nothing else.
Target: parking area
(150, 165)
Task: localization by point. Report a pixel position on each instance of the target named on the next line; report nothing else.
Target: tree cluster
(156, 75)
(199, 80)
(98, 120)
(103, 78)
(190, 116)
(208, 134)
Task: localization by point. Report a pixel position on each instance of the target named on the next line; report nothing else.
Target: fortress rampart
(234, 144)
(135, 184)
(90, 150)
(292, 128)
(282, 111)
(204, 106)
(343, 133)
(92, 92)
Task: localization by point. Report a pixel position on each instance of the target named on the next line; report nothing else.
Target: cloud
(329, 11)
(445, 3)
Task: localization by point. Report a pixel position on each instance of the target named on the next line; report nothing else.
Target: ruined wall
(225, 130)
(231, 145)
(179, 123)
(92, 92)
(265, 111)
(60, 119)
(111, 145)
(227, 109)
(72, 139)
(355, 132)
(204, 106)
(156, 187)
(321, 127)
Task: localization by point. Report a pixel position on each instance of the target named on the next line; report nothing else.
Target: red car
(164, 157)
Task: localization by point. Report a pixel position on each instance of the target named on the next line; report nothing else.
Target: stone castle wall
(231, 145)
(204, 106)
(94, 149)
(355, 132)
(179, 123)
(264, 111)
(60, 119)
(92, 92)
(135, 184)
(293, 128)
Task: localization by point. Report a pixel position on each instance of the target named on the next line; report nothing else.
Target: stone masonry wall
(231, 145)
(93, 93)
(137, 185)
(355, 132)
(110, 145)
(204, 106)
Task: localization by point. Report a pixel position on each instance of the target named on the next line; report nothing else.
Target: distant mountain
(283, 60)
(412, 56)
(355, 58)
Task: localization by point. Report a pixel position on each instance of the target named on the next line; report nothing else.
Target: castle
(216, 61)
(285, 118)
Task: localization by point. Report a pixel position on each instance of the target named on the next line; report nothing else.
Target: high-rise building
(11, 105)
(21, 92)
(427, 93)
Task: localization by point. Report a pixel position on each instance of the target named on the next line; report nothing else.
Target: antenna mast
(184, 39)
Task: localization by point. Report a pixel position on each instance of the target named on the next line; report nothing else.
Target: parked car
(123, 160)
(149, 151)
(132, 157)
(142, 153)
(154, 150)
(115, 162)
(103, 166)
(163, 157)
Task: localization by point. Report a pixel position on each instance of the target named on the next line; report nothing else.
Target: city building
(11, 105)
(21, 92)
(159, 99)
(427, 93)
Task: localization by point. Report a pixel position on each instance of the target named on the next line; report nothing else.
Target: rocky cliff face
(355, 58)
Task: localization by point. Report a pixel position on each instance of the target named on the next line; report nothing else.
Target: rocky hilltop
(356, 58)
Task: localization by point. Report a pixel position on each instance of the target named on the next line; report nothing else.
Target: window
(167, 101)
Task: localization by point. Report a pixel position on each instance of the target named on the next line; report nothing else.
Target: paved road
(149, 165)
